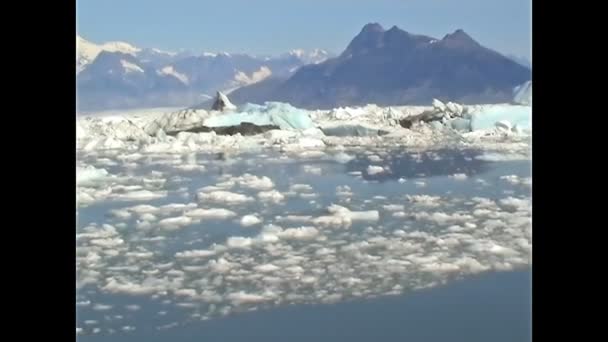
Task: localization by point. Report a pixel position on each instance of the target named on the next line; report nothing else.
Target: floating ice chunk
(107, 242)
(172, 207)
(173, 223)
(342, 216)
(194, 254)
(83, 303)
(394, 207)
(144, 209)
(294, 218)
(219, 213)
(373, 169)
(132, 307)
(121, 214)
(437, 267)
(141, 195)
(239, 242)
(185, 292)
(442, 218)
(426, 200)
(128, 328)
(221, 265)
(471, 264)
(139, 255)
(240, 298)
(515, 203)
(513, 179)
(271, 196)
(497, 249)
(254, 182)
(302, 233)
(343, 158)
(300, 187)
(250, 220)
(501, 157)
(312, 169)
(266, 268)
(89, 174)
(459, 176)
(224, 197)
(343, 191)
(102, 307)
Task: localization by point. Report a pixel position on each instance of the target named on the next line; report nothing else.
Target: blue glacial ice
(488, 116)
(271, 113)
(523, 94)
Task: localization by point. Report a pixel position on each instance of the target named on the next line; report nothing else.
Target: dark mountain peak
(369, 38)
(459, 36)
(372, 27)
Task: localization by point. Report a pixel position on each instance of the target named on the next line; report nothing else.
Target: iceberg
(222, 103)
(270, 114)
(486, 117)
(523, 94)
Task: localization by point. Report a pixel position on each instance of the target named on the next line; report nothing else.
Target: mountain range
(395, 67)
(385, 67)
(120, 75)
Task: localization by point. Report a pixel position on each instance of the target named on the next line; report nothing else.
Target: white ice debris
(374, 169)
(459, 176)
(271, 196)
(173, 223)
(226, 197)
(522, 94)
(253, 182)
(194, 254)
(250, 220)
(219, 213)
(343, 217)
(300, 130)
(89, 174)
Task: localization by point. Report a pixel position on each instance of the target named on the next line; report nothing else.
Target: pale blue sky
(275, 26)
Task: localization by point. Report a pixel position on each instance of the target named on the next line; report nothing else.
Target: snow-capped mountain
(120, 74)
(314, 56)
(86, 51)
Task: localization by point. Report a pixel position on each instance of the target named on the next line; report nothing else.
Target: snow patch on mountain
(130, 67)
(242, 79)
(170, 71)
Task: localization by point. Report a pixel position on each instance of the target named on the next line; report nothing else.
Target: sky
(276, 26)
